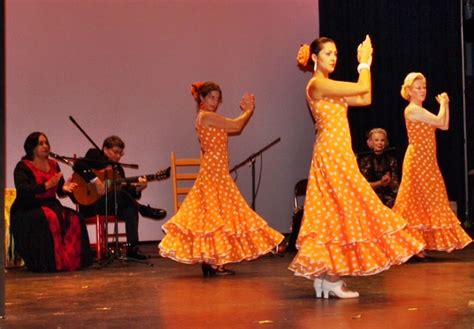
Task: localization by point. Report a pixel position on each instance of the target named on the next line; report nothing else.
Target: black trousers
(126, 210)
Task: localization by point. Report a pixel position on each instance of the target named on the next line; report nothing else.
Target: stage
(433, 293)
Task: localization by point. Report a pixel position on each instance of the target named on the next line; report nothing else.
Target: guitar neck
(149, 178)
(159, 175)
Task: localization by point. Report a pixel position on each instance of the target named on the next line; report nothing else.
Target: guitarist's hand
(53, 181)
(69, 186)
(100, 187)
(141, 184)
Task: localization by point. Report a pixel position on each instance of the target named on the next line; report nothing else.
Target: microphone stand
(116, 254)
(251, 159)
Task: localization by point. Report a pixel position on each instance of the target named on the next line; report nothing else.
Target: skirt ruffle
(218, 247)
(358, 258)
(442, 238)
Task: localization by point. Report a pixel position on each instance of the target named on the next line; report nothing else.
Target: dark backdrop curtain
(407, 35)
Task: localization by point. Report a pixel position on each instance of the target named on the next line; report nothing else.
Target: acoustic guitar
(86, 193)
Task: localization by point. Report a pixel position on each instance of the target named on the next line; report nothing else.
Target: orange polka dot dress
(346, 230)
(422, 199)
(214, 224)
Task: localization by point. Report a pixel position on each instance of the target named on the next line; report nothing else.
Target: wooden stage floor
(436, 293)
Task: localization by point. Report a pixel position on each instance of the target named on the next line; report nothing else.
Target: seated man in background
(127, 206)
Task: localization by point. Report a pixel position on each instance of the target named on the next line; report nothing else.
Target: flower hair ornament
(303, 56)
(195, 89)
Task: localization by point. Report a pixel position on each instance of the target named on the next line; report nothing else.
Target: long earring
(315, 66)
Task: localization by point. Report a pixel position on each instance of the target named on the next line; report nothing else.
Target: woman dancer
(346, 229)
(214, 225)
(422, 199)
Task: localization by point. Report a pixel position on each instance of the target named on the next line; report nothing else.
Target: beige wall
(125, 67)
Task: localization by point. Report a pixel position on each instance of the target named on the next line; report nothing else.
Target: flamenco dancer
(346, 230)
(214, 226)
(422, 199)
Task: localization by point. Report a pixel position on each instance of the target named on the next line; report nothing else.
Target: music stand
(251, 159)
(116, 254)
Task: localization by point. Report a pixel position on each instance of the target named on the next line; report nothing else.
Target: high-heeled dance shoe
(318, 287)
(422, 254)
(221, 270)
(209, 270)
(336, 289)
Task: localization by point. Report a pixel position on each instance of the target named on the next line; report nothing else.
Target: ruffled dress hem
(192, 247)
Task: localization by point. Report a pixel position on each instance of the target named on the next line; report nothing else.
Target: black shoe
(224, 271)
(152, 213)
(135, 254)
(209, 270)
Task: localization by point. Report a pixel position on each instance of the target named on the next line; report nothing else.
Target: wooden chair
(12, 259)
(183, 172)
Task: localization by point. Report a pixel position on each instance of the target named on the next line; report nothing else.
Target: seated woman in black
(48, 236)
(379, 168)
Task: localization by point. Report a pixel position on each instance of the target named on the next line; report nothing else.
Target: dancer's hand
(442, 99)
(247, 104)
(364, 51)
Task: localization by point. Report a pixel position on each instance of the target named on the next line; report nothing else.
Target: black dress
(374, 167)
(48, 236)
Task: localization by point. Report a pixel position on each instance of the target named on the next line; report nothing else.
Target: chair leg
(98, 237)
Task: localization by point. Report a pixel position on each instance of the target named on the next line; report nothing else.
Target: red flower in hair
(195, 88)
(303, 55)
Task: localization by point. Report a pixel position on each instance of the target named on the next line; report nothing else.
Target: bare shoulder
(312, 89)
(412, 111)
(316, 82)
(201, 118)
(208, 119)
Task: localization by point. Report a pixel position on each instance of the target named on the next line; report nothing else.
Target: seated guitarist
(112, 151)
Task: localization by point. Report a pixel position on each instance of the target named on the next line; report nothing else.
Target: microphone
(61, 158)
